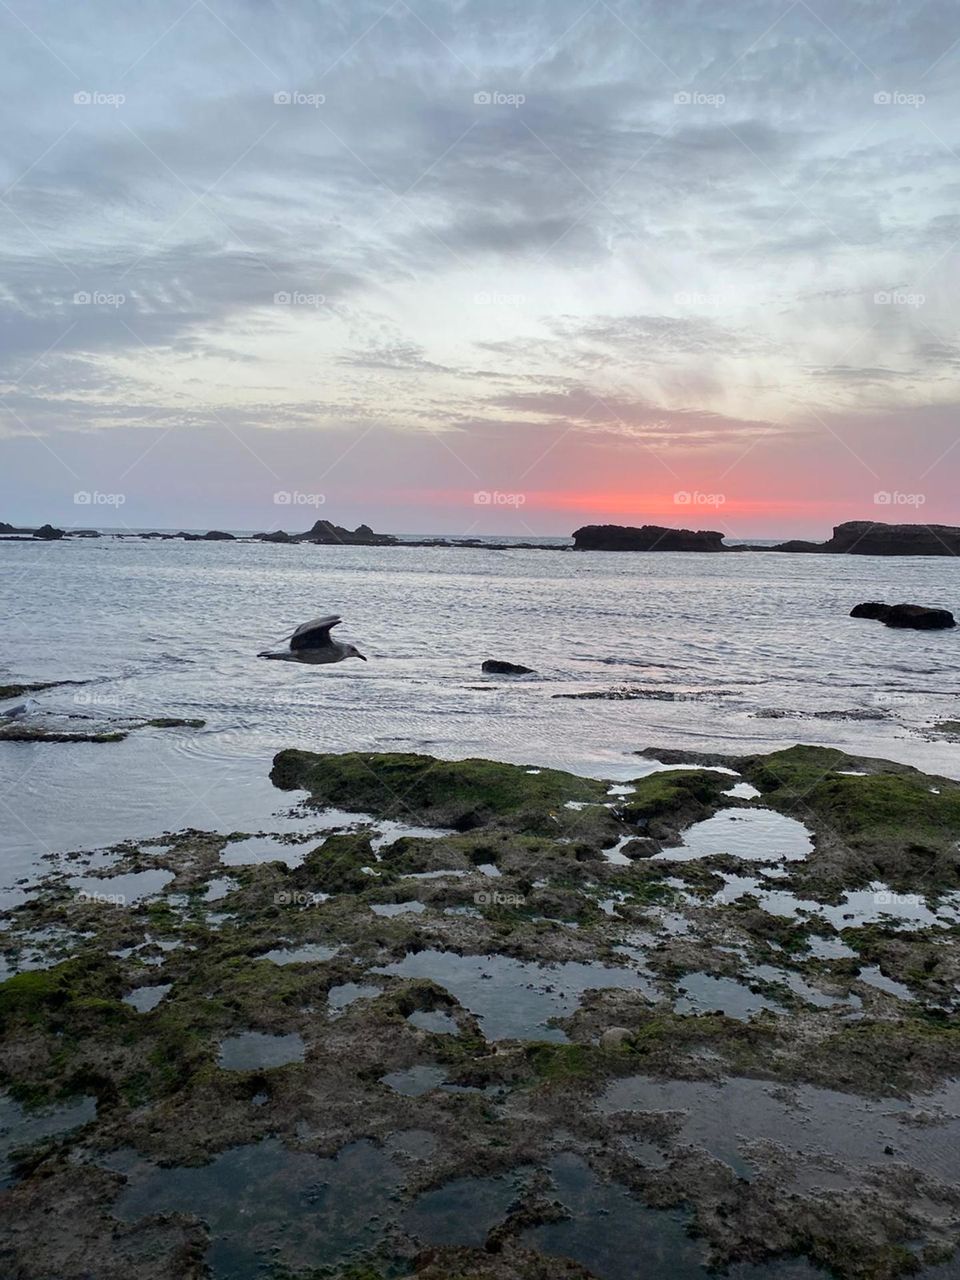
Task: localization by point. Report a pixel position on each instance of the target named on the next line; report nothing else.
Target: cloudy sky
(479, 266)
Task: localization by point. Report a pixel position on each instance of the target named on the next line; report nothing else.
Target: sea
(728, 653)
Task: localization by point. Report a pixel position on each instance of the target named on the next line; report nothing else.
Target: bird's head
(353, 652)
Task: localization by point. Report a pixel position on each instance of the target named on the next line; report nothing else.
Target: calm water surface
(172, 628)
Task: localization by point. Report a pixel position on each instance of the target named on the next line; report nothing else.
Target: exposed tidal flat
(453, 1037)
(412, 972)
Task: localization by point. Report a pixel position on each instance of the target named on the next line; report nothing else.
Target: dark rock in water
(869, 538)
(872, 609)
(217, 535)
(796, 545)
(7, 528)
(916, 617)
(277, 536)
(494, 667)
(48, 533)
(363, 536)
(919, 618)
(86, 533)
(650, 537)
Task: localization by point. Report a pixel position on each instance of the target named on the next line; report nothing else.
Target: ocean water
(730, 653)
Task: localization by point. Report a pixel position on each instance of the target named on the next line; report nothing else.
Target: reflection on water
(255, 1049)
(515, 998)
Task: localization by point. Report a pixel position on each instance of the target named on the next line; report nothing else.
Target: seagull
(311, 642)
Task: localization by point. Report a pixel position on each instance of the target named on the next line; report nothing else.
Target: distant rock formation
(497, 667)
(47, 533)
(916, 617)
(363, 536)
(278, 535)
(7, 528)
(650, 537)
(217, 535)
(869, 538)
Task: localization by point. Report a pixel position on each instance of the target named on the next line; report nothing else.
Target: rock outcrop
(47, 533)
(326, 533)
(649, 537)
(497, 667)
(915, 617)
(869, 538)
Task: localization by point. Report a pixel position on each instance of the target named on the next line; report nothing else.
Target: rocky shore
(555, 1028)
(855, 537)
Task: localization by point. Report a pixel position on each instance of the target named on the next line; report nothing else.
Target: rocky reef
(472, 1019)
(648, 537)
(872, 538)
(914, 617)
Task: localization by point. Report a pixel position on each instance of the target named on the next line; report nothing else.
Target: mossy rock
(907, 821)
(460, 794)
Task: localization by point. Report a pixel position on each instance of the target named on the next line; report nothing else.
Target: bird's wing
(315, 634)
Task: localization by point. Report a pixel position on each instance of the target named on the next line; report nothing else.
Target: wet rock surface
(468, 1032)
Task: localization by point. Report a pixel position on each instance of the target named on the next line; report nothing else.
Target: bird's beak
(360, 655)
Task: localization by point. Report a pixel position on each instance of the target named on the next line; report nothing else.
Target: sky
(480, 267)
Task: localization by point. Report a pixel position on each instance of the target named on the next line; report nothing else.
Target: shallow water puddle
(415, 1081)
(611, 1233)
(463, 1211)
(722, 1117)
(219, 888)
(434, 1020)
(872, 976)
(705, 993)
(514, 999)
(343, 995)
(744, 791)
(143, 999)
(122, 890)
(413, 907)
(389, 831)
(756, 835)
(266, 1205)
(309, 953)
(22, 1128)
(859, 906)
(250, 1050)
(800, 987)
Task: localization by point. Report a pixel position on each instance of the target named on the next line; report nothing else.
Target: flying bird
(311, 642)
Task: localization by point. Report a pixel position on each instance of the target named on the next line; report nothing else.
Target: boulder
(217, 535)
(277, 536)
(917, 617)
(872, 609)
(649, 537)
(48, 533)
(615, 1037)
(496, 667)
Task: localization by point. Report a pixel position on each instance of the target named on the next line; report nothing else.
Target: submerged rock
(497, 667)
